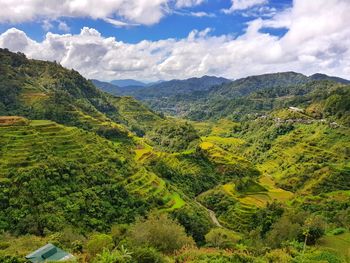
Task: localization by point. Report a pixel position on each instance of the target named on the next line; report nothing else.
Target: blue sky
(177, 24)
(154, 40)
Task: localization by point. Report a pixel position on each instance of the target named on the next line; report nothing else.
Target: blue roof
(47, 253)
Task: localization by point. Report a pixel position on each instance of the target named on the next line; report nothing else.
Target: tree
(313, 229)
(161, 232)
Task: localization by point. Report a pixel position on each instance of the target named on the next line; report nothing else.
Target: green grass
(339, 243)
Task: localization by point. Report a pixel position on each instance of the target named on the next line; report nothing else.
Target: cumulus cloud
(146, 12)
(317, 40)
(243, 4)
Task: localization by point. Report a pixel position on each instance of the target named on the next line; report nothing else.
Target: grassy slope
(339, 243)
(44, 90)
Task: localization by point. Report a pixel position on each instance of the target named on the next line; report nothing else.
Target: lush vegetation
(110, 180)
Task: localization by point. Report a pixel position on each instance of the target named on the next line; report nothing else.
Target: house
(48, 253)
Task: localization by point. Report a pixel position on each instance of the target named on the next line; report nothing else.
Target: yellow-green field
(339, 243)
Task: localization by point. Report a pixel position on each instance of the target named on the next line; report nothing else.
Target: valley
(250, 170)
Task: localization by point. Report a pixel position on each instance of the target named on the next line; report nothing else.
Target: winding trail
(211, 214)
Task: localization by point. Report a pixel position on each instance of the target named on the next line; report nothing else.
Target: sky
(152, 40)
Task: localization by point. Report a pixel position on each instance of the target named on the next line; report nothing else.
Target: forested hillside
(241, 98)
(258, 171)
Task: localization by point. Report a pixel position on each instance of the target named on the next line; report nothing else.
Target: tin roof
(49, 252)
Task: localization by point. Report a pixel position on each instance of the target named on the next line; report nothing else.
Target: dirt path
(211, 214)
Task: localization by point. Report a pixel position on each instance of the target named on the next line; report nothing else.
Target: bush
(69, 238)
(221, 238)
(118, 232)
(147, 255)
(161, 232)
(115, 256)
(279, 256)
(98, 243)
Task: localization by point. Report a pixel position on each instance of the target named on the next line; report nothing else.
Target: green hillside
(43, 90)
(55, 175)
(257, 172)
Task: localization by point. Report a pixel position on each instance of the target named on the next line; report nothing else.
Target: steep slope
(107, 87)
(43, 90)
(76, 172)
(52, 175)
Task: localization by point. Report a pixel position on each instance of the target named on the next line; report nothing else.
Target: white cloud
(243, 4)
(47, 25)
(202, 14)
(62, 26)
(146, 12)
(119, 23)
(317, 40)
(188, 3)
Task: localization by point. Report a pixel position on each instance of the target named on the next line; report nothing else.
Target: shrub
(118, 232)
(279, 256)
(161, 232)
(147, 255)
(99, 242)
(69, 238)
(115, 256)
(221, 238)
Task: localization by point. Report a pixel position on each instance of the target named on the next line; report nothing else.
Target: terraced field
(299, 158)
(28, 146)
(238, 205)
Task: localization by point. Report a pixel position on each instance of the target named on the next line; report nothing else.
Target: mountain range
(192, 97)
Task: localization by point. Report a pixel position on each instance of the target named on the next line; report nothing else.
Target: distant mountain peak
(128, 82)
(321, 76)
